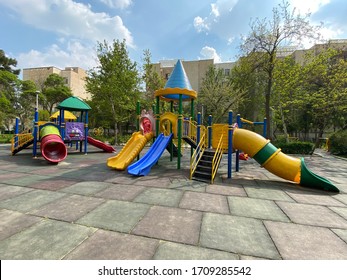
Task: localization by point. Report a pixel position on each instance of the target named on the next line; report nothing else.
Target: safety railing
(217, 158)
(199, 151)
(19, 140)
(190, 130)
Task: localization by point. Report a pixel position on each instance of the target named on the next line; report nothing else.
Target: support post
(36, 130)
(209, 131)
(198, 128)
(16, 132)
(86, 133)
(265, 128)
(230, 143)
(179, 132)
(157, 117)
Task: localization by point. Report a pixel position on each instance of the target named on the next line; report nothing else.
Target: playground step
(202, 175)
(205, 162)
(204, 168)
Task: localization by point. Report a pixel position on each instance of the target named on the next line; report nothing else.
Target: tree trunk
(115, 133)
(267, 108)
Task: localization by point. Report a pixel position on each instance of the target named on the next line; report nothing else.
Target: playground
(67, 210)
(176, 190)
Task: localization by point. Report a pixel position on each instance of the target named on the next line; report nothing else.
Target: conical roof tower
(178, 84)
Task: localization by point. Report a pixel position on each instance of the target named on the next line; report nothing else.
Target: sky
(65, 33)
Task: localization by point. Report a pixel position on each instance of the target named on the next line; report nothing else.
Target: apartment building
(74, 78)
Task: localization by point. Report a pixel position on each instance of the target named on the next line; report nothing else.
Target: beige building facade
(74, 78)
(195, 69)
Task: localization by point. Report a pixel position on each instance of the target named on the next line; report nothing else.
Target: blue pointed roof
(178, 84)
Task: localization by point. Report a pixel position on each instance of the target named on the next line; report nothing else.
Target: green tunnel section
(265, 153)
(311, 180)
(49, 129)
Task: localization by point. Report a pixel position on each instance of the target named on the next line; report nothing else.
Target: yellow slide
(278, 163)
(130, 151)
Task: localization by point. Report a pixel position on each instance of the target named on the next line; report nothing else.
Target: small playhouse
(65, 128)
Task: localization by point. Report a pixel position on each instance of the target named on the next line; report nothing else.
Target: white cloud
(73, 53)
(214, 10)
(71, 19)
(209, 52)
(119, 4)
(200, 24)
(308, 6)
(218, 9)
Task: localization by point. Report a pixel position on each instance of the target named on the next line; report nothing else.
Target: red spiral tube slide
(53, 148)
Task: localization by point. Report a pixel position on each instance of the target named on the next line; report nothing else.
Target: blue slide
(144, 165)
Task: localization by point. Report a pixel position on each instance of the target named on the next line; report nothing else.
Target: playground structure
(208, 144)
(53, 136)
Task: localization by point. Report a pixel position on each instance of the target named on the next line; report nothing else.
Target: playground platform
(81, 209)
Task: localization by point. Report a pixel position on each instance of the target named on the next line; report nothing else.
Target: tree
(325, 86)
(248, 79)
(216, 94)
(9, 84)
(114, 83)
(54, 91)
(151, 79)
(267, 36)
(7, 64)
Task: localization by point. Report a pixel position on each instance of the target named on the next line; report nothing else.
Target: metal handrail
(19, 140)
(199, 151)
(217, 158)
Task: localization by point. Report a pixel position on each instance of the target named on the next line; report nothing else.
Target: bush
(5, 138)
(338, 143)
(303, 148)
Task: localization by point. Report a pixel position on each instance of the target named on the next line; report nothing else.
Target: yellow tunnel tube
(276, 162)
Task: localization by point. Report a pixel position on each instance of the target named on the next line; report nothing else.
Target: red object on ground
(53, 148)
(101, 145)
(243, 156)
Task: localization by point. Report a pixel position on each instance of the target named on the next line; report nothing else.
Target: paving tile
(239, 235)
(26, 180)
(121, 192)
(53, 184)
(87, 188)
(314, 198)
(189, 185)
(115, 215)
(177, 251)
(156, 196)
(237, 190)
(153, 181)
(30, 200)
(7, 191)
(301, 242)
(342, 198)
(68, 208)
(264, 193)
(45, 240)
(172, 224)
(107, 245)
(315, 215)
(342, 211)
(12, 222)
(11, 175)
(205, 202)
(342, 233)
(256, 208)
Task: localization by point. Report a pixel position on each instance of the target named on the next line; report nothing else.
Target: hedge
(338, 143)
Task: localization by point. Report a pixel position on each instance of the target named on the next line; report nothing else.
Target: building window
(227, 72)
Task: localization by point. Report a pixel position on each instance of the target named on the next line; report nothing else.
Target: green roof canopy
(74, 103)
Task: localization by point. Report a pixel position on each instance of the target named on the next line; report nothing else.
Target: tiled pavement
(81, 209)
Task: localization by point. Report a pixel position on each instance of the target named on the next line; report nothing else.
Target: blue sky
(64, 33)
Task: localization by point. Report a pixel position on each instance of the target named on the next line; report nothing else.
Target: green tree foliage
(286, 27)
(54, 91)
(151, 78)
(114, 85)
(312, 96)
(9, 84)
(217, 95)
(248, 80)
